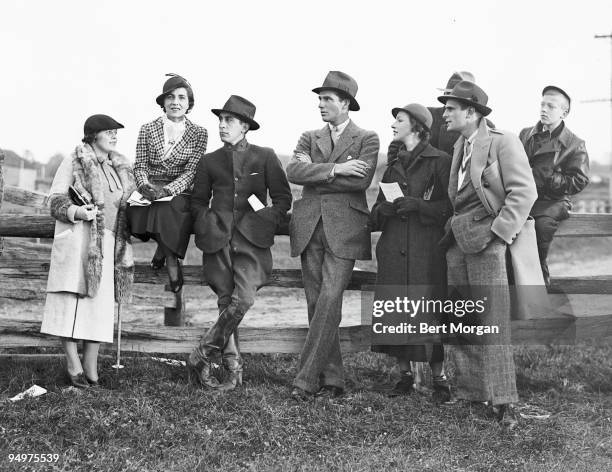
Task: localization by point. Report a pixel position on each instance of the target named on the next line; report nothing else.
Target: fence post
(174, 315)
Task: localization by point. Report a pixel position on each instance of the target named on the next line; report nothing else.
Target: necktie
(467, 154)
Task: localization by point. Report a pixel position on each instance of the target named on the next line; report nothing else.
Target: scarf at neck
(408, 157)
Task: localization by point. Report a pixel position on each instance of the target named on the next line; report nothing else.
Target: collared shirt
(543, 136)
(172, 133)
(337, 130)
(468, 146)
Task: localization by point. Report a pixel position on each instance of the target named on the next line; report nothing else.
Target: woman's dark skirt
(166, 222)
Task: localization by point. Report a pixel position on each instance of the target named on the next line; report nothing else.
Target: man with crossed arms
(329, 226)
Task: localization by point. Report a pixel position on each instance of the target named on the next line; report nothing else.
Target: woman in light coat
(91, 258)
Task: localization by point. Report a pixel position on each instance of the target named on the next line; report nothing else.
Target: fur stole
(87, 181)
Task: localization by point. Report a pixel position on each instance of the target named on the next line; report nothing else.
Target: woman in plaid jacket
(168, 151)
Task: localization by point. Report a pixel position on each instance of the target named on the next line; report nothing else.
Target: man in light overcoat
(329, 226)
(492, 190)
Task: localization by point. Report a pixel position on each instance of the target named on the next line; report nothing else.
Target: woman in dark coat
(167, 153)
(407, 252)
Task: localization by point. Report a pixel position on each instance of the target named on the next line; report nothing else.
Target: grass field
(148, 418)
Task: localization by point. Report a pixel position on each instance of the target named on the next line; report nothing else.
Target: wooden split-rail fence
(590, 297)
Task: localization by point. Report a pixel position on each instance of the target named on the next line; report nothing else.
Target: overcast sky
(65, 60)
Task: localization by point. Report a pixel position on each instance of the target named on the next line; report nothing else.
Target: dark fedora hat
(455, 79)
(241, 107)
(417, 112)
(175, 81)
(469, 93)
(554, 88)
(340, 82)
(97, 123)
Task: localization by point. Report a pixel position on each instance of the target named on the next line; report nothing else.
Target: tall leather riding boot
(211, 345)
(232, 361)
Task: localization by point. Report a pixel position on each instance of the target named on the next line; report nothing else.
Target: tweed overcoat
(339, 201)
(180, 165)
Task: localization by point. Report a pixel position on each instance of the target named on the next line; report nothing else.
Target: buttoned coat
(220, 192)
(339, 201)
(407, 251)
(179, 166)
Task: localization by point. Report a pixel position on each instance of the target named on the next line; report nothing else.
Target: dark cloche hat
(240, 107)
(175, 81)
(455, 79)
(418, 112)
(340, 82)
(554, 88)
(97, 123)
(469, 93)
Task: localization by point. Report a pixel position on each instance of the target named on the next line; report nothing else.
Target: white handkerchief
(165, 199)
(255, 203)
(349, 158)
(391, 191)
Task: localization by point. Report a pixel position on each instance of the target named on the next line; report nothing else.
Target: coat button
(236, 179)
(403, 253)
(235, 195)
(485, 184)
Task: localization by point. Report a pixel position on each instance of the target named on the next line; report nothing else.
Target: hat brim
(253, 125)
(160, 98)
(484, 110)
(395, 111)
(353, 105)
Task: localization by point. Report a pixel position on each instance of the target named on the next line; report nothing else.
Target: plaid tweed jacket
(179, 166)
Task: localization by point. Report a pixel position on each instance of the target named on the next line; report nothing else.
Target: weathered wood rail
(592, 315)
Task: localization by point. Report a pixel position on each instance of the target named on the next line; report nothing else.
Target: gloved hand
(405, 205)
(386, 208)
(160, 192)
(147, 191)
(86, 212)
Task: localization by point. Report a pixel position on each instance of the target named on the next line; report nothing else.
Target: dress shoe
(92, 383)
(78, 380)
(405, 386)
(301, 395)
(199, 371)
(441, 390)
(330, 391)
(507, 416)
(158, 263)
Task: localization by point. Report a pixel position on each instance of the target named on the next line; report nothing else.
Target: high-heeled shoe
(158, 263)
(92, 383)
(78, 380)
(177, 284)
